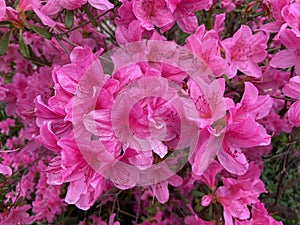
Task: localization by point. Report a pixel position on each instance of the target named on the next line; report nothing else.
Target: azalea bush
(150, 112)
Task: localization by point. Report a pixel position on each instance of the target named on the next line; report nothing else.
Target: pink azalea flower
(293, 114)
(208, 177)
(244, 51)
(86, 184)
(5, 125)
(257, 106)
(132, 34)
(292, 89)
(237, 130)
(228, 5)
(236, 194)
(160, 190)
(36, 6)
(291, 14)
(206, 46)
(5, 170)
(261, 216)
(152, 13)
(55, 5)
(18, 215)
(183, 12)
(276, 7)
(290, 56)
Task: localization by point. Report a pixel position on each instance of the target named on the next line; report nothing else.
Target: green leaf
(19, 201)
(2, 178)
(255, 7)
(41, 31)
(295, 135)
(90, 16)
(4, 42)
(69, 19)
(23, 48)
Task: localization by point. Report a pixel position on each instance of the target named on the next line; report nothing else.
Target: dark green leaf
(4, 42)
(255, 7)
(19, 201)
(41, 31)
(2, 178)
(10, 202)
(90, 16)
(295, 134)
(23, 48)
(69, 19)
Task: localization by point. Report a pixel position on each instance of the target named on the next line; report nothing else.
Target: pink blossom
(276, 7)
(236, 194)
(257, 106)
(34, 5)
(228, 5)
(293, 114)
(290, 56)
(5, 170)
(244, 51)
(208, 177)
(160, 189)
(152, 13)
(101, 4)
(183, 12)
(5, 125)
(133, 33)
(260, 215)
(18, 215)
(206, 46)
(292, 89)
(291, 14)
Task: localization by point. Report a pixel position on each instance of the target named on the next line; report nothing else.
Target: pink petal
(5, 170)
(71, 5)
(101, 4)
(161, 191)
(47, 138)
(283, 59)
(187, 23)
(46, 20)
(294, 114)
(75, 190)
(292, 89)
(2, 8)
(233, 160)
(250, 68)
(204, 153)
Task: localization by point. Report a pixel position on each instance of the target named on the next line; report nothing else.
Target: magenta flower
(290, 56)
(206, 45)
(237, 194)
(291, 14)
(292, 89)
(5, 170)
(244, 51)
(18, 215)
(184, 12)
(234, 131)
(152, 13)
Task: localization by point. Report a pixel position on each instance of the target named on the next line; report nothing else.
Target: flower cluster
(145, 111)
